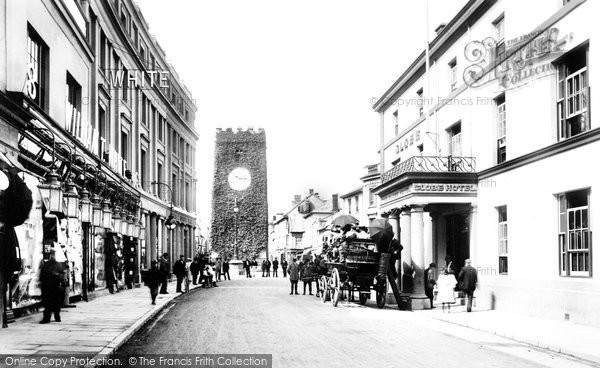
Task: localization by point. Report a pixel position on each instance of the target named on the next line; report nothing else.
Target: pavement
(563, 337)
(94, 328)
(108, 323)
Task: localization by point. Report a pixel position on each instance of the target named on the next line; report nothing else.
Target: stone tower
(239, 197)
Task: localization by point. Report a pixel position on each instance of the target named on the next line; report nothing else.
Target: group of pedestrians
(267, 266)
(307, 271)
(198, 271)
(441, 288)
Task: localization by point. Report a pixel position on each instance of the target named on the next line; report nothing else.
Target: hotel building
(485, 144)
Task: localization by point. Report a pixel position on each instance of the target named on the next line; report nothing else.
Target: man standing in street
(263, 267)
(247, 268)
(218, 269)
(284, 266)
(275, 266)
(292, 270)
(179, 272)
(52, 279)
(152, 280)
(430, 281)
(225, 270)
(467, 280)
(164, 271)
(268, 268)
(195, 269)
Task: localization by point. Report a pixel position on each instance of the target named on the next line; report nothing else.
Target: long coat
(293, 271)
(52, 279)
(467, 279)
(446, 284)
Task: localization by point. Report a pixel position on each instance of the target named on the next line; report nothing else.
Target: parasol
(381, 233)
(344, 220)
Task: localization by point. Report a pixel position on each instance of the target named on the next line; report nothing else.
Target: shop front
(95, 238)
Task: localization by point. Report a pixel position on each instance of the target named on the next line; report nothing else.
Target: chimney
(440, 28)
(334, 203)
(311, 191)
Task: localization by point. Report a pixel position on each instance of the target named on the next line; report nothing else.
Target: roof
(353, 192)
(473, 9)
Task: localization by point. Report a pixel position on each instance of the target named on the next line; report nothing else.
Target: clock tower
(239, 223)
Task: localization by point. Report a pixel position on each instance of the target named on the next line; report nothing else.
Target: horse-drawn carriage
(358, 269)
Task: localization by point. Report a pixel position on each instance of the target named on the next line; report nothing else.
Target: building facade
(485, 139)
(90, 107)
(300, 230)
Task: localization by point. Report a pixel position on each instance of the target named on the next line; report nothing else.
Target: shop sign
(31, 80)
(80, 128)
(419, 188)
(445, 188)
(408, 141)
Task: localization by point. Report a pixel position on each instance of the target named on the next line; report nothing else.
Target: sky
(305, 71)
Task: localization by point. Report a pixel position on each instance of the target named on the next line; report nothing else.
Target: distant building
(299, 230)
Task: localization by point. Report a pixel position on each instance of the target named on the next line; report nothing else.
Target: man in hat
(152, 279)
(164, 271)
(430, 281)
(275, 267)
(52, 279)
(467, 281)
(294, 274)
(179, 270)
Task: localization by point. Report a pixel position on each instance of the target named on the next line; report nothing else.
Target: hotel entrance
(457, 240)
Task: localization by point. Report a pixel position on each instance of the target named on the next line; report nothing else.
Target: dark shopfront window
(575, 235)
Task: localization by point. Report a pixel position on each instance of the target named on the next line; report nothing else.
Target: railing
(431, 164)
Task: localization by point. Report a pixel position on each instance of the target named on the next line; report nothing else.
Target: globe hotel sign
(515, 61)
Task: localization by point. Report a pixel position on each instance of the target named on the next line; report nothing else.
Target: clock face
(239, 178)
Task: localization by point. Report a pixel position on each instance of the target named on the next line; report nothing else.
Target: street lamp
(106, 214)
(71, 199)
(51, 192)
(236, 210)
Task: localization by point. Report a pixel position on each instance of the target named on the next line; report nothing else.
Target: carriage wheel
(324, 289)
(362, 298)
(335, 287)
(381, 293)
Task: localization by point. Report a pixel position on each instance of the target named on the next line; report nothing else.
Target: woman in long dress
(445, 285)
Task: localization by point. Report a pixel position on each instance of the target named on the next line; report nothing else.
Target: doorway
(457, 240)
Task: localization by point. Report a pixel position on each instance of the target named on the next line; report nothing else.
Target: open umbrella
(381, 233)
(344, 220)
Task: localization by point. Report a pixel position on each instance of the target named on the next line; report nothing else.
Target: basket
(384, 264)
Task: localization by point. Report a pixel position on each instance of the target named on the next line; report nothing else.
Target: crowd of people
(200, 270)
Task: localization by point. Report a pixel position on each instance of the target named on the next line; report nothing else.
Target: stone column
(406, 256)
(428, 238)
(151, 240)
(418, 298)
(159, 237)
(395, 222)
(473, 235)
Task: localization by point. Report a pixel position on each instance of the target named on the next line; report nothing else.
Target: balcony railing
(431, 164)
